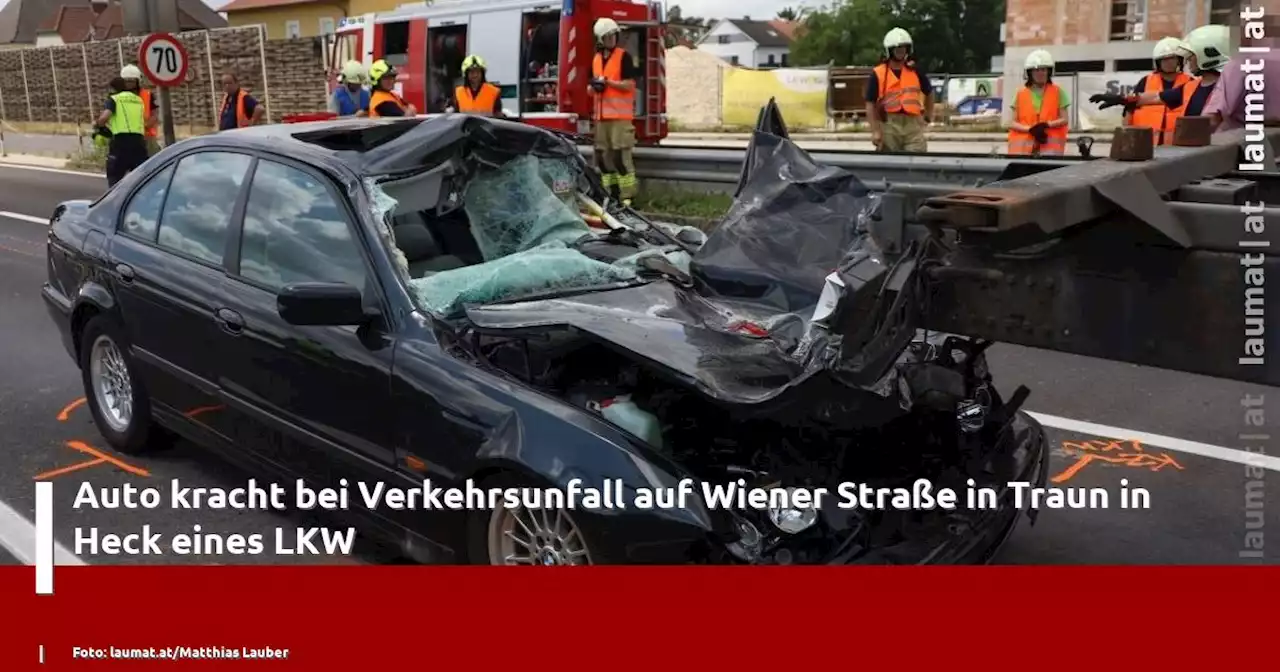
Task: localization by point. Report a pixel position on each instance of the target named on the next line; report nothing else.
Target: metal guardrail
(718, 169)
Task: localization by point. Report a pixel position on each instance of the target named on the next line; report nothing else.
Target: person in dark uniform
(125, 118)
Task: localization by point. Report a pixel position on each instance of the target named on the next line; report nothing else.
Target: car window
(295, 231)
(143, 212)
(202, 195)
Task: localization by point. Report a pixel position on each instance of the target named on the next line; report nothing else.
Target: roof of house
(763, 33)
(22, 20)
(243, 5)
(786, 28)
(72, 24)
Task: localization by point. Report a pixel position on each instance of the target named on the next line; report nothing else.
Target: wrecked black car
(456, 300)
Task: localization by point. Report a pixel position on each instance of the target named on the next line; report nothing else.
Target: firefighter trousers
(614, 142)
(904, 133)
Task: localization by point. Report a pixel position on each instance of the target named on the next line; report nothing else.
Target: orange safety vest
(613, 104)
(903, 95)
(242, 119)
(1022, 143)
(1159, 118)
(145, 94)
(1188, 90)
(379, 97)
(482, 103)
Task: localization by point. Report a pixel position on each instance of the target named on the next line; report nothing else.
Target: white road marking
(1168, 442)
(25, 218)
(46, 169)
(18, 536)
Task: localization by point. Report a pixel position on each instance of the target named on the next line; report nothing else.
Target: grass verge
(93, 159)
(683, 203)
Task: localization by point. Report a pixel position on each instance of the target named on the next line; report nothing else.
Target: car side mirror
(321, 304)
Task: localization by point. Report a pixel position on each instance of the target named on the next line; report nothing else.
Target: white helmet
(130, 72)
(1169, 46)
(1039, 59)
(1211, 45)
(605, 27)
(353, 72)
(896, 38)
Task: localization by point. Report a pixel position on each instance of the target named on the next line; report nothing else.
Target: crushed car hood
(773, 304)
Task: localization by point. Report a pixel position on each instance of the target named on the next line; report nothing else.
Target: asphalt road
(1197, 512)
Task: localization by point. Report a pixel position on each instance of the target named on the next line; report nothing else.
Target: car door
(166, 264)
(318, 394)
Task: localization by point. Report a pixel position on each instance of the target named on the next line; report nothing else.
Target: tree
(950, 36)
(789, 14)
(681, 28)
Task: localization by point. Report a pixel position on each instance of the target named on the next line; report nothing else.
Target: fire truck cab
(538, 53)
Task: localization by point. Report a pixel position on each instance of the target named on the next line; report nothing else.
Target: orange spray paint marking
(202, 410)
(54, 473)
(66, 410)
(1128, 453)
(90, 450)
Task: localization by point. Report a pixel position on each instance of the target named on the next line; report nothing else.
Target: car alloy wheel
(112, 386)
(522, 536)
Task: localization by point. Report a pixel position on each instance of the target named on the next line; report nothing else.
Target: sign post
(149, 17)
(164, 61)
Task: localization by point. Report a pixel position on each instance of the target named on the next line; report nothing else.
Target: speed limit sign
(163, 59)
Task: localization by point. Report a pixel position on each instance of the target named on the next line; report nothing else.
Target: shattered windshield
(482, 225)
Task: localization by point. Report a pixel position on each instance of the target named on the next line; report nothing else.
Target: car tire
(113, 391)
(556, 539)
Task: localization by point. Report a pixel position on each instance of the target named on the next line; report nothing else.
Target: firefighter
(476, 95)
(126, 119)
(384, 101)
(149, 108)
(239, 109)
(1206, 50)
(1169, 62)
(1040, 118)
(613, 85)
(351, 98)
(899, 97)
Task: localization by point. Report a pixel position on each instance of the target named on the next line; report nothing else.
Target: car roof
(380, 146)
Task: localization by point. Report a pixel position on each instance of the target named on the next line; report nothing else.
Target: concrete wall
(72, 89)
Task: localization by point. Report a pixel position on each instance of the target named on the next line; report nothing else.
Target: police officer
(614, 74)
(126, 119)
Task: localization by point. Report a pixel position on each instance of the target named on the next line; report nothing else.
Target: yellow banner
(801, 95)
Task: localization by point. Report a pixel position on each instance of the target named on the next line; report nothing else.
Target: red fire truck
(538, 53)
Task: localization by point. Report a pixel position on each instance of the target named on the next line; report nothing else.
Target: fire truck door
(448, 43)
(499, 45)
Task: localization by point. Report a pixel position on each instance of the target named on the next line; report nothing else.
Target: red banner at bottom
(607, 618)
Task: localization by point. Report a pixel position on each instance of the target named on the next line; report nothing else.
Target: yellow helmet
(380, 70)
(473, 61)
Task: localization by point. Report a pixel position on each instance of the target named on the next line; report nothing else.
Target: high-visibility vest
(1159, 118)
(379, 97)
(613, 104)
(242, 119)
(1188, 90)
(482, 103)
(1024, 144)
(145, 95)
(127, 117)
(899, 94)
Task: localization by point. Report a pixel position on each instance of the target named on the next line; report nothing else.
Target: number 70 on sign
(163, 59)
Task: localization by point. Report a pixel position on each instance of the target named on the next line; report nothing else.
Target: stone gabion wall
(68, 84)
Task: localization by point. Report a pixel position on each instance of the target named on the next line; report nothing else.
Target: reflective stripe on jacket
(1022, 143)
(901, 96)
(127, 117)
(613, 104)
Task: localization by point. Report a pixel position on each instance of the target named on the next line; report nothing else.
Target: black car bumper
(60, 310)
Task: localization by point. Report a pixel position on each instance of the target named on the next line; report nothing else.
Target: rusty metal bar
(1064, 197)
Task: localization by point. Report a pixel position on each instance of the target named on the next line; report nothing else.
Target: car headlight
(792, 519)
